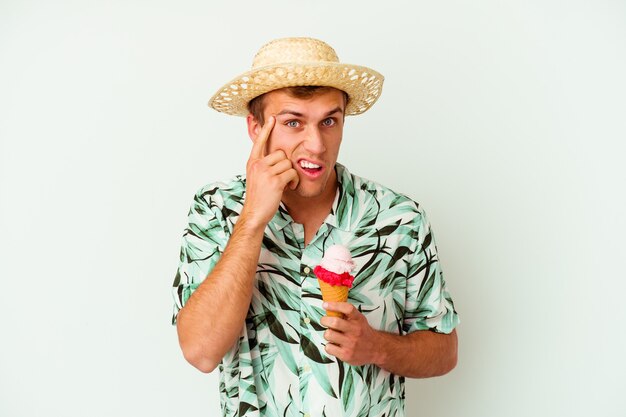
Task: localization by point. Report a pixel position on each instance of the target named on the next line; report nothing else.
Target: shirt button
(306, 415)
(307, 270)
(307, 320)
(307, 368)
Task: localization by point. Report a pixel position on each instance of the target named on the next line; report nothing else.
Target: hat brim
(363, 85)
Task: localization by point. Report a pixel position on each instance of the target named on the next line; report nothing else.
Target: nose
(314, 142)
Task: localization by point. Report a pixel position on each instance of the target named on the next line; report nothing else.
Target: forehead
(320, 102)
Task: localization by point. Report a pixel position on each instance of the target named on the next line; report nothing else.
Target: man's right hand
(267, 176)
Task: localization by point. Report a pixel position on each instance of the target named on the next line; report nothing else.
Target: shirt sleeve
(428, 304)
(202, 245)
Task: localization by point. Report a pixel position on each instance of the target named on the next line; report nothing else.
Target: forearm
(421, 354)
(211, 320)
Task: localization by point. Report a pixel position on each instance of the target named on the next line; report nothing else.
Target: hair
(256, 106)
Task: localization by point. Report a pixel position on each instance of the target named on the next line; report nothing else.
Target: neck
(311, 211)
(301, 208)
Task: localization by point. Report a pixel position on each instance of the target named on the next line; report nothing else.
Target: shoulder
(222, 193)
(391, 215)
(371, 193)
(220, 200)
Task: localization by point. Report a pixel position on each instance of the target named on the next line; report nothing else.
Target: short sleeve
(428, 304)
(203, 243)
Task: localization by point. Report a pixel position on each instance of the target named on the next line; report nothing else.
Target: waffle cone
(337, 293)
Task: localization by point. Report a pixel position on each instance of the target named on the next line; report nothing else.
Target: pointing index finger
(258, 150)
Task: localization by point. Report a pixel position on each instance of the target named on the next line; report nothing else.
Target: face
(309, 131)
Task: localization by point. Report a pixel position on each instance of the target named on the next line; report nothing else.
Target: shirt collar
(341, 211)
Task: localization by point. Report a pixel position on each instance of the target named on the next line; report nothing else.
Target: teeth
(309, 165)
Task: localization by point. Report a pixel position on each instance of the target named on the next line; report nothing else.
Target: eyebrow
(298, 114)
(293, 112)
(335, 110)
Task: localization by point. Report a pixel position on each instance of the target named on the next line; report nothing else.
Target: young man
(247, 301)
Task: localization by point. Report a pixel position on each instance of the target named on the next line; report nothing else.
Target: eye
(293, 123)
(328, 122)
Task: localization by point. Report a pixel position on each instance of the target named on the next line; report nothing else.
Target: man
(247, 301)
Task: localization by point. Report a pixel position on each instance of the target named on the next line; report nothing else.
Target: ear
(254, 127)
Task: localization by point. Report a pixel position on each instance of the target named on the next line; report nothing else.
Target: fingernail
(325, 305)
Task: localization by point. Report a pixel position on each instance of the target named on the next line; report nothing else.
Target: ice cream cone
(336, 293)
(333, 275)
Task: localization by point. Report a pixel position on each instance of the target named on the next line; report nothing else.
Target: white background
(504, 119)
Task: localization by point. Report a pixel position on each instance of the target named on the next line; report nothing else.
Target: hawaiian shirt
(279, 368)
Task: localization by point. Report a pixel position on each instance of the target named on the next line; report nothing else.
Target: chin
(309, 192)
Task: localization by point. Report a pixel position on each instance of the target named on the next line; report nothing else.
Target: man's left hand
(350, 338)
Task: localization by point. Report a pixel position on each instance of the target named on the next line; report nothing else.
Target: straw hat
(293, 62)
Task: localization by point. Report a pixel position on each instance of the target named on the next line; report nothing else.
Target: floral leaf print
(388, 230)
(390, 279)
(268, 358)
(427, 241)
(273, 247)
(399, 253)
(312, 352)
(244, 407)
(276, 272)
(347, 396)
(342, 371)
(277, 328)
(286, 355)
(266, 292)
(363, 275)
(321, 376)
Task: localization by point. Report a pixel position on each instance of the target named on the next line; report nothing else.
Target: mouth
(310, 169)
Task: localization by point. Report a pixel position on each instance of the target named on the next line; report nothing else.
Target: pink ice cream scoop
(336, 266)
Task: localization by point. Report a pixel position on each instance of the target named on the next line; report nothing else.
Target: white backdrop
(505, 120)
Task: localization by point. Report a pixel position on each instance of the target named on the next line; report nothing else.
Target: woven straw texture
(291, 62)
(333, 293)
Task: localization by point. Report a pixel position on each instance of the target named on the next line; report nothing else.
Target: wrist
(380, 351)
(250, 226)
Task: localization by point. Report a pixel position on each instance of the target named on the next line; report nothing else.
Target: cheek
(283, 140)
(333, 144)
